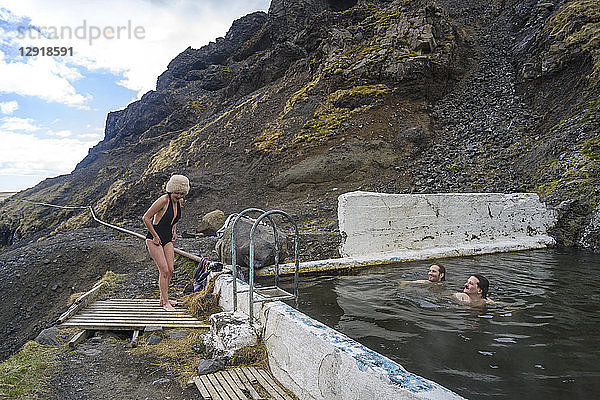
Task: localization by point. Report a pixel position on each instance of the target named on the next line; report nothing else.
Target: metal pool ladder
(270, 293)
(234, 251)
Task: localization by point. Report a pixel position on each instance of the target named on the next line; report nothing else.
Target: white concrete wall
(377, 223)
(317, 362)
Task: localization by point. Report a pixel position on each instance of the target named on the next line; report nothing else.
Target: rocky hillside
(317, 97)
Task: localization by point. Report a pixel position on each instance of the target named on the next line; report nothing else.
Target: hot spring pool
(539, 342)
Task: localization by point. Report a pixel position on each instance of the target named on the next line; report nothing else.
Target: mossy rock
(591, 148)
(576, 27)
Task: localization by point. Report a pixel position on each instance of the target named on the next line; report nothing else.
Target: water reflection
(539, 340)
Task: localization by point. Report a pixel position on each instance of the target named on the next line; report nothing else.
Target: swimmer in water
(436, 274)
(475, 291)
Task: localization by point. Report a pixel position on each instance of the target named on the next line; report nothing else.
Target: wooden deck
(130, 314)
(242, 383)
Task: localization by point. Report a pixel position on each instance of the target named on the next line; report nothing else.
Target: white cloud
(43, 77)
(91, 136)
(169, 28)
(9, 107)
(26, 154)
(18, 124)
(63, 134)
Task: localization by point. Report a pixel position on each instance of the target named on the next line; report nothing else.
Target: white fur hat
(178, 184)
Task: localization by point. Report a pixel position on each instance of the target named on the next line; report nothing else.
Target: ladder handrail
(234, 251)
(251, 272)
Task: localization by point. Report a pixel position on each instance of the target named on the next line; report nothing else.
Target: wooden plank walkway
(242, 383)
(130, 314)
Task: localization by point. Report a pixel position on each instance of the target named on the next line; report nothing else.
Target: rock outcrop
(317, 97)
(211, 223)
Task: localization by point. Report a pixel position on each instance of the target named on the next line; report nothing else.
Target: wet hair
(442, 270)
(483, 284)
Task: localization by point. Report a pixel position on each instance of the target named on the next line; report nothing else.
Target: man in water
(475, 291)
(436, 274)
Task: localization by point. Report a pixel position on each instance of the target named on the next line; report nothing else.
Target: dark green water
(539, 342)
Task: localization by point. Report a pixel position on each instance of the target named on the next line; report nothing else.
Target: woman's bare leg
(169, 251)
(158, 255)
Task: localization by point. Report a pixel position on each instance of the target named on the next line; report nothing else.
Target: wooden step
(130, 314)
(241, 383)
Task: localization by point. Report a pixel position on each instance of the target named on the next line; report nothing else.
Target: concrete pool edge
(516, 244)
(318, 362)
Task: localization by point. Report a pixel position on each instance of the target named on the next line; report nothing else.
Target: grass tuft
(251, 355)
(203, 303)
(174, 356)
(25, 374)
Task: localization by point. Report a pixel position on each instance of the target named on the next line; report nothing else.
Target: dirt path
(104, 368)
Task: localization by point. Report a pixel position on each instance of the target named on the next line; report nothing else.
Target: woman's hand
(156, 241)
(174, 236)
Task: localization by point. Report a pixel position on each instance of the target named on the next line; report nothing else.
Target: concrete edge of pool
(517, 244)
(381, 228)
(318, 362)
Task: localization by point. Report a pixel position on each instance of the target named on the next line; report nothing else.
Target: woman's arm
(154, 209)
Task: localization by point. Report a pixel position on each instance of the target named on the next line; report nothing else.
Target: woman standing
(161, 221)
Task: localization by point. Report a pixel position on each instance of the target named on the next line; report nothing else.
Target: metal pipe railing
(118, 228)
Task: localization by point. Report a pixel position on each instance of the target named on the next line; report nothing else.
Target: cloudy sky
(53, 107)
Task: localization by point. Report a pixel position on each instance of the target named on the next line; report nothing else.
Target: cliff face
(317, 97)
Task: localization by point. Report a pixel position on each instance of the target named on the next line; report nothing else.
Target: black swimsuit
(164, 228)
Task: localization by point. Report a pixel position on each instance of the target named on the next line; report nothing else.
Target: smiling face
(472, 287)
(177, 196)
(434, 274)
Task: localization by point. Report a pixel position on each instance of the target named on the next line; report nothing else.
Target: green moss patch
(591, 148)
(324, 122)
(24, 375)
(339, 106)
(547, 188)
(577, 26)
(455, 168)
(199, 106)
